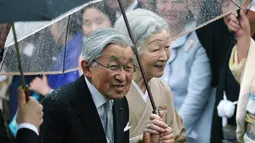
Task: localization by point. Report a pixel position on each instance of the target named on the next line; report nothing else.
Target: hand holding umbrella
(242, 30)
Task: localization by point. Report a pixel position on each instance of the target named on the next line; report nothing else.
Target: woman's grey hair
(143, 24)
(99, 39)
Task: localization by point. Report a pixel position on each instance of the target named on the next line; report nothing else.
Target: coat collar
(83, 103)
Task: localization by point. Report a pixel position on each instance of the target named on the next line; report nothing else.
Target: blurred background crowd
(198, 70)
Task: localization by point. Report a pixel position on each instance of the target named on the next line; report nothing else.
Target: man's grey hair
(143, 24)
(98, 40)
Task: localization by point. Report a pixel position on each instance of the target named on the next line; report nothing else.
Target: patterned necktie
(109, 122)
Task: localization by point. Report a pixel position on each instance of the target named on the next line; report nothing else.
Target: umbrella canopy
(184, 16)
(54, 46)
(31, 10)
(48, 46)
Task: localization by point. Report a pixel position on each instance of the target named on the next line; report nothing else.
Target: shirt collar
(97, 97)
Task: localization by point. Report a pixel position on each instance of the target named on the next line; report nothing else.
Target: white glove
(226, 109)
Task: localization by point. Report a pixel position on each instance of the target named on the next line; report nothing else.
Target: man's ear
(86, 68)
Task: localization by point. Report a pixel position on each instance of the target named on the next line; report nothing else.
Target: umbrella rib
(67, 31)
(236, 4)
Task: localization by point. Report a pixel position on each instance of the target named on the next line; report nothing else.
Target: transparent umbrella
(45, 47)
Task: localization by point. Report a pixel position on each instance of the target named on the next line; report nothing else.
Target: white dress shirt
(99, 101)
(28, 126)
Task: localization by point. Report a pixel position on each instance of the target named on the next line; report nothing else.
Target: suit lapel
(86, 109)
(118, 121)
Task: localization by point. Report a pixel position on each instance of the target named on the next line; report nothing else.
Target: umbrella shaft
(23, 83)
(138, 58)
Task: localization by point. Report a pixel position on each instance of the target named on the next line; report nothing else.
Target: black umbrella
(35, 10)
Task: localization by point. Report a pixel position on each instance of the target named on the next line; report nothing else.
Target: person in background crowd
(188, 72)
(218, 42)
(93, 17)
(129, 5)
(242, 66)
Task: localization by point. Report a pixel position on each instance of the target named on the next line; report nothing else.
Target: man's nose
(121, 75)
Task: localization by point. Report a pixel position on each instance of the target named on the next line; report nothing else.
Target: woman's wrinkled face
(155, 54)
(93, 19)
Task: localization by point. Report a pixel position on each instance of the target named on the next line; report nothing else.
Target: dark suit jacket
(4, 135)
(70, 116)
(23, 135)
(26, 136)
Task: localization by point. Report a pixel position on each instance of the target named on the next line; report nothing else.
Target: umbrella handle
(27, 95)
(26, 90)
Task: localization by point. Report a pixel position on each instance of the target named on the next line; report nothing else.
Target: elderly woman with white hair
(152, 38)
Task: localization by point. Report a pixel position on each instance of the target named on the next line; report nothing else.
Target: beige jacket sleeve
(235, 67)
(244, 73)
(174, 120)
(178, 123)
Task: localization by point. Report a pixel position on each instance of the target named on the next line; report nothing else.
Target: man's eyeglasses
(115, 68)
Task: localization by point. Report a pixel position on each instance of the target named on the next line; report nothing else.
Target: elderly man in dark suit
(29, 119)
(93, 108)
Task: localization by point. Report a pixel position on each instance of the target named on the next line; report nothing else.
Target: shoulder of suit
(60, 95)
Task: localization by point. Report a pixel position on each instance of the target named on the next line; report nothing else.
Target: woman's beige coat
(139, 111)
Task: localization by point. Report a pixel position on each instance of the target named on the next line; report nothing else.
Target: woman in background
(92, 17)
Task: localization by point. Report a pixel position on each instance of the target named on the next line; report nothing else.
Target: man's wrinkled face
(105, 74)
